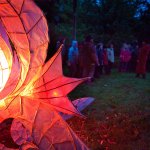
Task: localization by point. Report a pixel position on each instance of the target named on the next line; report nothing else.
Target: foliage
(106, 20)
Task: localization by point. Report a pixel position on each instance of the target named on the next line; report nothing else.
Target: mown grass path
(119, 119)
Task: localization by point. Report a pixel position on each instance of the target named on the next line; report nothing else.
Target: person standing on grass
(144, 51)
(81, 58)
(73, 56)
(125, 56)
(134, 55)
(105, 60)
(89, 57)
(99, 52)
(111, 58)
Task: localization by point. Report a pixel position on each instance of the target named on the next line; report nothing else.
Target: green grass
(118, 90)
(119, 96)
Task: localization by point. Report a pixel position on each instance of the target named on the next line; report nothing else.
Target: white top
(110, 54)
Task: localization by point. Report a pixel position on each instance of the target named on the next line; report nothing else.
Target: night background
(114, 21)
(119, 117)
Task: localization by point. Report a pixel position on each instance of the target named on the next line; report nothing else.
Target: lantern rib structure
(33, 93)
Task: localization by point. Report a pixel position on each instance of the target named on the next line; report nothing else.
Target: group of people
(135, 58)
(86, 59)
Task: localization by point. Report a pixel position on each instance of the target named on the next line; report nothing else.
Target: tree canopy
(106, 20)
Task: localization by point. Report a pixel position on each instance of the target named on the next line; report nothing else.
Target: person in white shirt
(111, 57)
(73, 55)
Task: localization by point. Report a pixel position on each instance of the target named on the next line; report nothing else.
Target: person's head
(74, 44)
(111, 45)
(58, 43)
(88, 38)
(143, 42)
(100, 44)
(61, 39)
(125, 46)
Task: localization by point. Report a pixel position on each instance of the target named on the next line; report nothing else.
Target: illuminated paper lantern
(32, 91)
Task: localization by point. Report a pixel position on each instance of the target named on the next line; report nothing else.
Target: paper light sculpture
(31, 91)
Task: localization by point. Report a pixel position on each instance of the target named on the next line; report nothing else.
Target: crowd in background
(85, 59)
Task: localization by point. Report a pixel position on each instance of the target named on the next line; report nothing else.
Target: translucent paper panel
(33, 92)
(28, 31)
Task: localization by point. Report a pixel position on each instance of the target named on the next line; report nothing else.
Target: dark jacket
(88, 54)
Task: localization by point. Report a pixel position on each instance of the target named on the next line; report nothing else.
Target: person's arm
(94, 56)
(139, 54)
(109, 54)
(121, 54)
(113, 56)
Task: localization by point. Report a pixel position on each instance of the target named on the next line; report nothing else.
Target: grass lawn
(119, 119)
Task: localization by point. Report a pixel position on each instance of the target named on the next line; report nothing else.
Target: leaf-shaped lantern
(31, 91)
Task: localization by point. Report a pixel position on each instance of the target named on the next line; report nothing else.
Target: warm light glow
(28, 91)
(4, 70)
(55, 94)
(2, 104)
